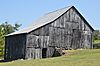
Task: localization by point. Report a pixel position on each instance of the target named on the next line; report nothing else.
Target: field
(71, 58)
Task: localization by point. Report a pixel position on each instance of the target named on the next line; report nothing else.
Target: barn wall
(34, 46)
(69, 31)
(15, 47)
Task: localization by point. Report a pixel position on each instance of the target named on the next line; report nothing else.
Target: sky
(26, 12)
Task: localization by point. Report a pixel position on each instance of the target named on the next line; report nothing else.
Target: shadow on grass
(1, 61)
(5, 60)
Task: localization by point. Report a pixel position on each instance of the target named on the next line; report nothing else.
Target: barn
(64, 28)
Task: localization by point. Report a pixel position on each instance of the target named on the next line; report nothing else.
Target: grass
(72, 58)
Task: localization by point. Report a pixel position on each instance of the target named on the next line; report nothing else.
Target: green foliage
(6, 28)
(75, 58)
(96, 39)
(96, 44)
(1, 42)
(97, 35)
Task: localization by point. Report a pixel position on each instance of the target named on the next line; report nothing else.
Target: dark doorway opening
(44, 51)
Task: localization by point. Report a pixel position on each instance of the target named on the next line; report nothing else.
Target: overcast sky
(27, 11)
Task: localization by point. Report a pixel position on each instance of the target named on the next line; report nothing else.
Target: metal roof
(47, 18)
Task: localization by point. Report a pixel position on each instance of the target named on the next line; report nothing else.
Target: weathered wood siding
(69, 31)
(15, 47)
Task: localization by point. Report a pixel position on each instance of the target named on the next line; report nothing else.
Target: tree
(96, 35)
(6, 28)
(1, 42)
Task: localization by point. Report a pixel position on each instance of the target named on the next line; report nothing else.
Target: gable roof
(47, 18)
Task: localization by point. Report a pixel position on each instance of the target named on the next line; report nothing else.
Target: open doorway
(44, 52)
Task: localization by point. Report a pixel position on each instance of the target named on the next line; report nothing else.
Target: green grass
(73, 58)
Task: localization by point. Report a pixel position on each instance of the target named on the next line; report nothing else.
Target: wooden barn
(65, 28)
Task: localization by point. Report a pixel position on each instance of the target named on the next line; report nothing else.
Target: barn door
(44, 52)
(76, 39)
(87, 39)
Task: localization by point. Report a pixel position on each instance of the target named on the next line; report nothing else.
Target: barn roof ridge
(47, 18)
(59, 9)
